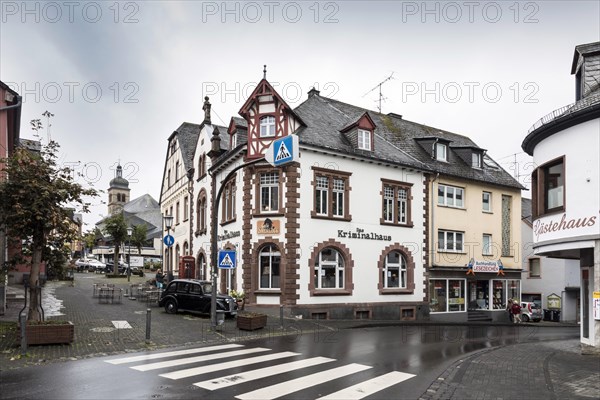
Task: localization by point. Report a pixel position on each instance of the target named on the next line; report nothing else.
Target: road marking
(121, 324)
(226, 365)
(171, 354)
(284, 388)
(230, 380)
(367, 388)
(190, 360)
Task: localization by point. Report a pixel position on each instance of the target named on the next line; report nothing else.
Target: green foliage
(116, 227)
(138, 237)
(37, 205)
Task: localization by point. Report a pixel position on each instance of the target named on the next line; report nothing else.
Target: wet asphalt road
(356, 355)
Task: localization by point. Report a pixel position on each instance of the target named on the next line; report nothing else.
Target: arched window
(267, 126)
(186, 248)
(201, 213)
(177, 255)
(394, 271)
(201, 267)
(269, 262)
(329, 269)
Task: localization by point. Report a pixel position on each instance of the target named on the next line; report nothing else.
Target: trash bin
(220, 317)
(555, 315)
(547, 315)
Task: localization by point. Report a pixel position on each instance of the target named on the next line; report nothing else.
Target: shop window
(396, 203)
(535, 268)
(451, 196)
(499, 294)
(486, 202)
(447, 295)
(513, 289)
(331, 194)
(450, 241)
(269, 266)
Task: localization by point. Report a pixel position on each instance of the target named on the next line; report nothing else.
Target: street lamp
(129, 232)
(168, 221)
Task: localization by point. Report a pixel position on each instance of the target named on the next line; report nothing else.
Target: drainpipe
(433, 234)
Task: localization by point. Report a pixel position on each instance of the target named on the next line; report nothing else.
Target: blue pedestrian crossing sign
(226, 259)
(283, 151)
(169, 240)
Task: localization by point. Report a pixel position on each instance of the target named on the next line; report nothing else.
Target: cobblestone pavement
(540, 370)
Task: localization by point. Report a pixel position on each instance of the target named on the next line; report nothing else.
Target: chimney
(312, 92)
(206, 108)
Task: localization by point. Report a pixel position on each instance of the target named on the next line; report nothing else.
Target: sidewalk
(544, 370)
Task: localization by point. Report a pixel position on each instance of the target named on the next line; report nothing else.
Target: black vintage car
(194, 295)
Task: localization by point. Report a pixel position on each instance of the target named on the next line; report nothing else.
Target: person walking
(509, 309)
(516, 311)
(159, 279)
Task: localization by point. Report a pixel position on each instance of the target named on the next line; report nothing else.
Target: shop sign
(457, 300)
(361, 234)
(596, 305)
(485, 266)
(228, 235)
(554, 301)
(555, 227)
(267, 227)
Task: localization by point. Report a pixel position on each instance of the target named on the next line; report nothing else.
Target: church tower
(118, 192)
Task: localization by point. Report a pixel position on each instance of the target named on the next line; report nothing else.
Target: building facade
(554, 283)
(353, 227)
(565, 185)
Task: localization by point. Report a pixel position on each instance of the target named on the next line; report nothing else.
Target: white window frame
(530, 262)
(270, 182)
(488, 201)
(476, 160)
(338, 192)
(270, 251)
(186, 208)
(486, 248)
(450, 192)
(454, 235)
(267, 126)
(322, 192)
(364, 139)
(337, 265)
(391, 268)
(441, 152)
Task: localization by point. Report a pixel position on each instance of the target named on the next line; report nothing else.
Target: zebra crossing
(215, 359)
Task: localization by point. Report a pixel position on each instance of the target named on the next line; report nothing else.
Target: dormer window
(476, 160)
(267, 126)
(364, 139)
(233, 140)
(441, 152)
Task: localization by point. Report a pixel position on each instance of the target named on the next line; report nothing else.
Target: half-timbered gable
(268, 118)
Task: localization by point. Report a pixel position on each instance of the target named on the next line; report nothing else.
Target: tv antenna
(378, 86)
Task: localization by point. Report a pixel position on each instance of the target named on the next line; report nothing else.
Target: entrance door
(479, 295)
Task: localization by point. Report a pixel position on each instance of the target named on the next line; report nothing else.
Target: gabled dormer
(438, 148)
(471, 155)
(268, 118)
(237, 131)
(361, 132)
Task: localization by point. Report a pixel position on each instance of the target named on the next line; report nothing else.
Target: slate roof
(143, 210)
(396, 141)
(187, 136)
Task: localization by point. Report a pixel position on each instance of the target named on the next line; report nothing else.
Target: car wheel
(525, 318)
(171, 307)
(141, 273)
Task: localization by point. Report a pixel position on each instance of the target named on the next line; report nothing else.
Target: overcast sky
(120, 77)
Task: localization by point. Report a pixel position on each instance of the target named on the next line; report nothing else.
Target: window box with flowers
(239, 298)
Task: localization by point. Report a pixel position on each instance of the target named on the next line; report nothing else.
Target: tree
(90, 237)
(138, 237)
(116, 227)
(34, 207)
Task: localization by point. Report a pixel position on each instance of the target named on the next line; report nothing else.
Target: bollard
(281, 315)
(23, 323)
(148, 318)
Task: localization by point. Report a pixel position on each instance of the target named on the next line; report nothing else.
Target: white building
(545, 277)
(566, 185)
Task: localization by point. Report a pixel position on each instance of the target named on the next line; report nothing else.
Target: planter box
(49, 333)
(251, 322)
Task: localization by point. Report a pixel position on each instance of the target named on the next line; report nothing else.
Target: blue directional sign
(226, 259)
(169, 240)
(283, 151)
